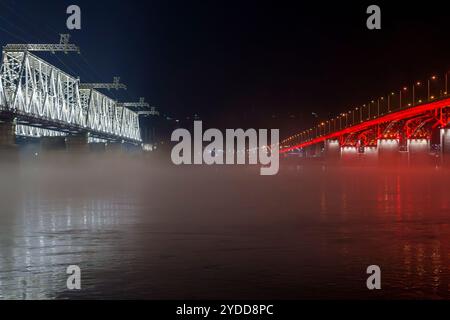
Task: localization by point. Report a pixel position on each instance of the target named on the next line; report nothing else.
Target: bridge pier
(370, 154)
(418, 151)
(115, 147)
(53, 143)
(445, 145)
(349, 154)
(332, 150)
(77, 143)
(8, 148)
(97, 146)
(389, 150)
(308, 151)
(7, 132)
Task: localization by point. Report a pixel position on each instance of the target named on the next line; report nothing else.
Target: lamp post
(446, 83)
(429, 85)
(414, 92)
(400, 96)
(378, 106)
(346, 120)
(389, 102)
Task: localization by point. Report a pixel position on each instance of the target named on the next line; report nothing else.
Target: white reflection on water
(46, 236)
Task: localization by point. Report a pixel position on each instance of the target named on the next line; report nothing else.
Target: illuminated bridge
(413, 121)
(39, 100)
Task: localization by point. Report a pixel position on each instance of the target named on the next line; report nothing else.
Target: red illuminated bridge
(413, 121)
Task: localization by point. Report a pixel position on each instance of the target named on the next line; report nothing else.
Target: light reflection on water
(186, 232)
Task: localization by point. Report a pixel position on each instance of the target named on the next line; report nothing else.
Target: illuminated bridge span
(39, 100)
(411, 120)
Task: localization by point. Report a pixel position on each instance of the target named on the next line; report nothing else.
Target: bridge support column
(369, 154)
(389, 151)
(77, 143)
(349, 154)
(53, 143)
(445, 145)
(332, 150)
(97, 146)
(314, 150)
(7, 132)
(115, 147)
(418, 151)
(307, 152)
(8, 148)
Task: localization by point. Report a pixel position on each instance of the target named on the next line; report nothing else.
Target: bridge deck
(395, 115)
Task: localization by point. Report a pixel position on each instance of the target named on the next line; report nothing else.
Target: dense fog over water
(141, 228)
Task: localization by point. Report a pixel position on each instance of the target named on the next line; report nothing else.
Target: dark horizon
(249, 64)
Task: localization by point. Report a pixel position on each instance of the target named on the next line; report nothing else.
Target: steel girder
(33, 88)
(36, 132)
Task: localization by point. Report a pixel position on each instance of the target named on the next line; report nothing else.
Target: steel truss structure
(36, 132)
(62, 46)
(39, 95)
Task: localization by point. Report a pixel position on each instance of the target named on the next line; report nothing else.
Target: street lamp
(389, 102)
(446, 83)
(345, 115)
(378, 106)
(418, 83)
(372, 102)
(400, 96)
(429, 83)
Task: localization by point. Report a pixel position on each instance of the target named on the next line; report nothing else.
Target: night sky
(242, 63)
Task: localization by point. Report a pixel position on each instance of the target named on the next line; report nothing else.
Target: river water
(140, 229)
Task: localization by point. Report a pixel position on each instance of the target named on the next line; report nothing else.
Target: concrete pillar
(445, 145)
(8, 149)
(319, 147)
(97, 146)
(77, 143)
(332, 150)
(53, 143)
(369, 154)
(308, 151)
(7, 132)
(419, 151)
(389, 151)
(349, 154)
(115, 147)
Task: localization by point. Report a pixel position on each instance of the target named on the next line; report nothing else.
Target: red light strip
(402, 114)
